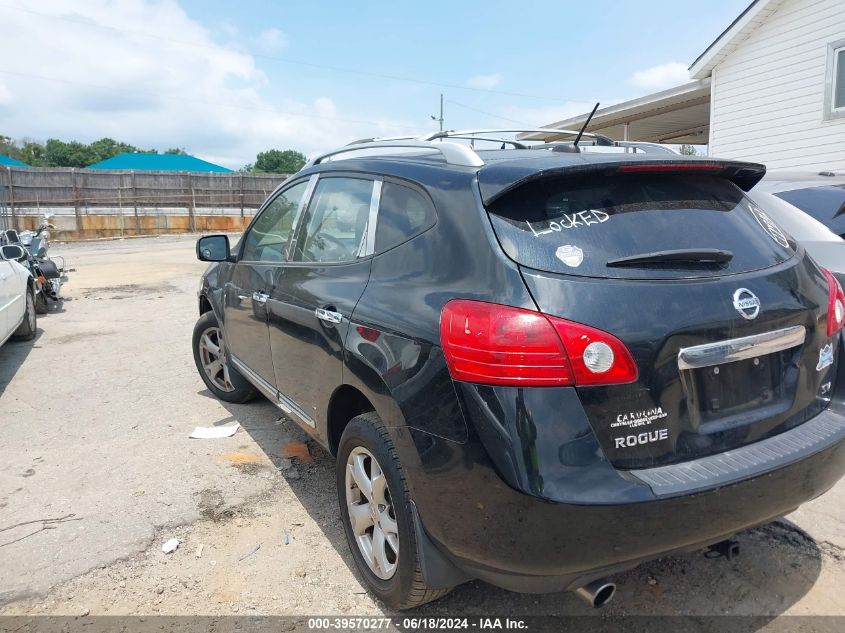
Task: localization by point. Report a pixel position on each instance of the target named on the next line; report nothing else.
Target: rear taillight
(500, 345)
(835, 304)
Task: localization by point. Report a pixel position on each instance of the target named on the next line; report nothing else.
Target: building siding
(768, 100)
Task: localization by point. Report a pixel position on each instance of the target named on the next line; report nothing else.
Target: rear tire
(26, 330)
(216, 372)
(384, 507)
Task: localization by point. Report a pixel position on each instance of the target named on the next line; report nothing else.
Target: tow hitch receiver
(729, 548)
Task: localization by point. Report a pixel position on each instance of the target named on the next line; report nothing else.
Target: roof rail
(464, 133)
(454, 153)
(457, 154)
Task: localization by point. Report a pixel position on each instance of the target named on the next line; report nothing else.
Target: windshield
(578, 225)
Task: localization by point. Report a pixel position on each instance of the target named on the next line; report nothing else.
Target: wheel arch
(345, 403)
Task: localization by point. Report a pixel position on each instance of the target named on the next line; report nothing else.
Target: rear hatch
(724, 315)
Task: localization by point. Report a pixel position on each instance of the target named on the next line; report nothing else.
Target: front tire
(375, 508)
(26, 330)
(41, 306)
(212, 363)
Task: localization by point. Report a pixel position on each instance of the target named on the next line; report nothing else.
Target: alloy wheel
(213, 358)
(371, 513)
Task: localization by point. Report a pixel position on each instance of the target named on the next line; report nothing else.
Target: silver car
(811, 208)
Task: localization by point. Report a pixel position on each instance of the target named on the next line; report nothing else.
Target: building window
(835, 81)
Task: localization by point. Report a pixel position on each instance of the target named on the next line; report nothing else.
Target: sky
(225, 80)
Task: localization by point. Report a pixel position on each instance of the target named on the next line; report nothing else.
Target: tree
(277, 161)
(688, 150)
(58, 153)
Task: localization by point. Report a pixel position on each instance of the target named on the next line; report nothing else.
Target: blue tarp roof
(157, 162)
(11, 162)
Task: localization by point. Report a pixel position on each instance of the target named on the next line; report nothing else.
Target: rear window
(578, 225)
(826, 204)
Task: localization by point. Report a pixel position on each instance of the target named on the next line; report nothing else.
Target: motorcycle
(49, 272)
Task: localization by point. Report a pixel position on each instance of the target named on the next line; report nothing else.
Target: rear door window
(578, 225)
(826, 204)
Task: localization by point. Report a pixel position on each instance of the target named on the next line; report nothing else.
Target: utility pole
(440, 120)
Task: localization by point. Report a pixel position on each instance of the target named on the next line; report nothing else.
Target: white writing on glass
(571, 221)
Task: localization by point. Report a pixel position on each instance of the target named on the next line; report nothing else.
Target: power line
(299, 62)
(497, 116)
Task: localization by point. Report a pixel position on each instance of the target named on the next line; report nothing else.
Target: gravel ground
(97, 472)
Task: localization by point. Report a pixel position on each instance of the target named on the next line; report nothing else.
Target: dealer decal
(825, 357)
(570, 255)
(639, 439)
(633, 419)
(769, 226)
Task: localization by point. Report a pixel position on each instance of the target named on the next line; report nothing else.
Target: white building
(770, 89)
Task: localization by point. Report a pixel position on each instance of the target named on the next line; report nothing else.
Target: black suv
(536, 367)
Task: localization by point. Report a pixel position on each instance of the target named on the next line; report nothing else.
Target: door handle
(328, 315)
(260, 298)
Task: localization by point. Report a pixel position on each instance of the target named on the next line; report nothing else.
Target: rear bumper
(523, 543)
(492, 513)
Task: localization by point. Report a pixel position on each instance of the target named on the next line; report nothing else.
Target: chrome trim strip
(289, 406)
(743, 348)
(262, 385)
(274, 395)
(375, 200)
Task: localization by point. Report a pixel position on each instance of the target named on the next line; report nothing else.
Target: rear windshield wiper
(682, 256)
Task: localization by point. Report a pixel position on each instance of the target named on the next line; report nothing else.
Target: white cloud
(485, 82)
(660, 77)
(5, 94)
(68, 77)
(272, 40)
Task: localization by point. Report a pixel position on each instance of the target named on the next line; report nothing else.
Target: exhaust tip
(597, 593)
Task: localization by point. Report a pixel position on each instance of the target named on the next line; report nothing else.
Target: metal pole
(440, 120)
(441, 111)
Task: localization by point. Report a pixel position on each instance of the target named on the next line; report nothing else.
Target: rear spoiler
(497, 179)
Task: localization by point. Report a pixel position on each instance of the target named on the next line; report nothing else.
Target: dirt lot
(97, 471)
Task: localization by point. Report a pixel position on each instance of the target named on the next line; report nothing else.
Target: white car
(17, 296)
(806, 206)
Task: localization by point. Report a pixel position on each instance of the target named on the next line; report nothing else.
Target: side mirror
(213, 248)
(13, 252)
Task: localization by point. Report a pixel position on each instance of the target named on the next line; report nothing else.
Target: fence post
(192, 221)
(120, 200)
(12, 199)
(242, 198)
(75, 200)
(135, 202)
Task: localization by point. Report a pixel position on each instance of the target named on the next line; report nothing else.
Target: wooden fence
(101, 203)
